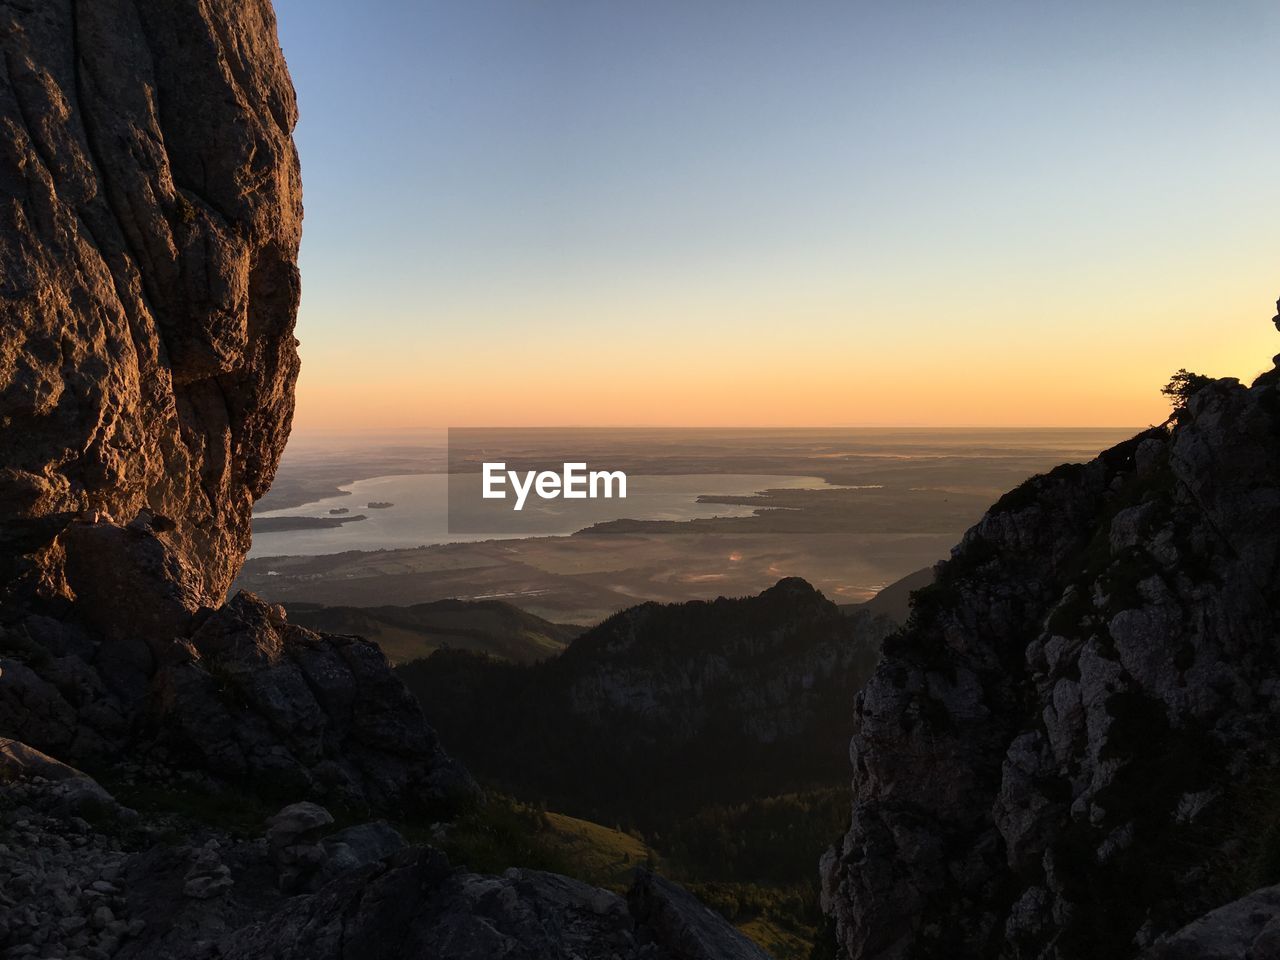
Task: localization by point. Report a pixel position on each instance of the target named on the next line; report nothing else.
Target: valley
(710, 733)
(894, 501)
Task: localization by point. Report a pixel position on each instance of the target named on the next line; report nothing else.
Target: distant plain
(894, 501)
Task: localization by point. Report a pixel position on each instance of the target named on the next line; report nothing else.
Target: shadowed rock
(1246, 929)
(252, 698)
(369, 896)
(1072, 748)
(419, 907)
(685, 927)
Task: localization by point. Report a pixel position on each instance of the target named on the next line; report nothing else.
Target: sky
(749, 213)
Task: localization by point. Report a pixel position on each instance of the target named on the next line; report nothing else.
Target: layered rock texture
(149, 231)
(1072, 749)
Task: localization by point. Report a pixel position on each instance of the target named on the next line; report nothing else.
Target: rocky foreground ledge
(88, 878)
(233, 697)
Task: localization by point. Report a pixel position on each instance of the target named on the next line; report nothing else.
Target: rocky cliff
(149, 234)
(148, 287)
(1071, 750)
(149, 237)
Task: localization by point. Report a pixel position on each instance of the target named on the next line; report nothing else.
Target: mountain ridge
(413, 631)
(693, 697)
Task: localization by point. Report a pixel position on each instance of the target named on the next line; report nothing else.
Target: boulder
(358, 846)
(75, 792)
(684, 926)
(1245, 929)
(293, 839)
(296, 822)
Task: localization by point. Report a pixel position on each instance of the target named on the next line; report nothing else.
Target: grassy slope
(412, 632)
(507, 833)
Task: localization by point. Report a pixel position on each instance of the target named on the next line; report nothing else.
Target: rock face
(257, 699)
(148, 288)
(148, 236)
(1072, 749)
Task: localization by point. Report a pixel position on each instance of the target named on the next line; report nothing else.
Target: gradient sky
(733, 212)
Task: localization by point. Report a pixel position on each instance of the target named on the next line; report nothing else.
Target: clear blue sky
(729, 211)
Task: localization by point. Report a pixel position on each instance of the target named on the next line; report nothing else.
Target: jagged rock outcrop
(122, 887)
(1073, 748)
(246, 699)
(148, 241)
(256, 698)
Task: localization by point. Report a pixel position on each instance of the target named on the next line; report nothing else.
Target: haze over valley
(713, 513)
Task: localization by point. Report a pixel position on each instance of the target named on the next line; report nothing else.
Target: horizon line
(742, 426)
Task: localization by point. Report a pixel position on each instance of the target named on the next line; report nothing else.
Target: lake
(419, 515)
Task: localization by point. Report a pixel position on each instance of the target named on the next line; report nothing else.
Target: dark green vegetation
(504, 832)
(663, 709)
(865, 510)
(410, 633)
(716, 731)
(754, 862)
(1182, 386)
